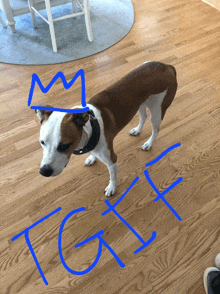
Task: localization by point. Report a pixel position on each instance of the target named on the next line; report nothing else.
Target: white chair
(2, 22)
(84, 10)
(12, 9)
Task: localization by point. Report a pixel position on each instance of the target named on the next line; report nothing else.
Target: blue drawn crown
(36, 79)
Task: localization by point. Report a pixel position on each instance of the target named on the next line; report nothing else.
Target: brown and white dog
(152, 85)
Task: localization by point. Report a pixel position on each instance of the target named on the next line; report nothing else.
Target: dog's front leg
(113, 170)
(109, 158)
(90, 160)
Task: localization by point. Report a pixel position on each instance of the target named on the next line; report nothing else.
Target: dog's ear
(43, 114)
(80, 119)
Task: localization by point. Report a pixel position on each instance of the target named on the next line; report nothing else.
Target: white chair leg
(6, 7)
(2, 22)
(51, 26)
(30, 4)
(87, 20)
(74, 6)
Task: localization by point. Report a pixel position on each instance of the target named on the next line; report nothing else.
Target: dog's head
(60, 134)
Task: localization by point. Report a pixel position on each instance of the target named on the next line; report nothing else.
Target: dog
(152, 84)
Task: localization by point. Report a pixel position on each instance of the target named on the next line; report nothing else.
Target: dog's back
(121, 101)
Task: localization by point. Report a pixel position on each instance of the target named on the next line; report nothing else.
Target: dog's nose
(46, 170)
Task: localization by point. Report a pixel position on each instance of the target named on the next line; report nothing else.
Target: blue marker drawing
(36, 79)
(162, 154)
(26, 234)
(112, 208)
(122, 196)
(97, 235)
(160, 195)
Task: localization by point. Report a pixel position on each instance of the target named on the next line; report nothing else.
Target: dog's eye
(42, 142)
(63, 147)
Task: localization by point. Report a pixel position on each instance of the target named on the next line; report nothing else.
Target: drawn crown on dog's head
(79, 119)
(60, 134)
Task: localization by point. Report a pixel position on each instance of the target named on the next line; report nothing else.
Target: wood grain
(185, 34)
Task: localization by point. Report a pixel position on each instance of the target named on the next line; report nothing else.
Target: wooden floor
(186, 34)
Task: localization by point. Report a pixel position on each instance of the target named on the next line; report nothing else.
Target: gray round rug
(111, 21)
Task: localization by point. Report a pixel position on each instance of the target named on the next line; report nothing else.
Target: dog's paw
(90, 160)
(147, 145)
(135, 131)
(110, 190)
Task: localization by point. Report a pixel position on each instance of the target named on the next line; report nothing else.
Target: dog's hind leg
(158, 105)
(155, 120)
(143, 116)
(154, 103)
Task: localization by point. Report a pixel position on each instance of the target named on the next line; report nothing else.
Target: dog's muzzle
(46, 170)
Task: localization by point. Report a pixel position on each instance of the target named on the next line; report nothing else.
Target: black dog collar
(94, 139)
